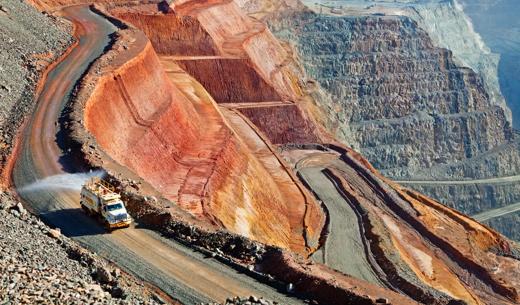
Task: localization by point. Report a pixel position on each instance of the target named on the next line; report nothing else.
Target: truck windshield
(114, 207)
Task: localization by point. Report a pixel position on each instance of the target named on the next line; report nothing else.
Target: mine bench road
(498, 212)
(483, 216)
(344, 249)
(505, 179)
(180, 272)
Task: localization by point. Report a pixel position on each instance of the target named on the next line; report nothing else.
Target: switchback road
(180, 272)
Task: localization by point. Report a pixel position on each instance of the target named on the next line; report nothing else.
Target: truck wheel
(107, 227)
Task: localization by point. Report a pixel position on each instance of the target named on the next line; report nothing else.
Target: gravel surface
(40, 265)
(343, 249)
(251, 300)
(29, 41)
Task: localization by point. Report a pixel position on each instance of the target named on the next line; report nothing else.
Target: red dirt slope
(238, 35)
(178, 142)
(283, 123)
(445, 249)
(169, 32)
(251, 65)
(230, 80)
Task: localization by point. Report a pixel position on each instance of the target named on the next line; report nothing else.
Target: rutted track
(345, 244)
(344, 248)
(180, 272)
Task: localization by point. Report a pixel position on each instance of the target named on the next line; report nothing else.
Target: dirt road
(505, 179)
(344, 248)
(177, 270)
(494, 213)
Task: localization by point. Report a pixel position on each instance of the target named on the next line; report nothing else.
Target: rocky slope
(39, 265)
(172, 136)
(397, 98)
(449, 27)
(410, 105)
(30, 42)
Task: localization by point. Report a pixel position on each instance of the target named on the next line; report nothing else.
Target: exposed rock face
(474, 198)
(509, 225)
(230, 80)
(180, 35)
(397, 98)
(431, 221)
(406, 104)
(449, 27)
(283, 124)
(172, 136)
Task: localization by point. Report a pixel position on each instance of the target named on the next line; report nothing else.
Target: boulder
(103, 275)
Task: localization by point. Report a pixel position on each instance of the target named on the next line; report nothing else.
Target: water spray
(72, 182)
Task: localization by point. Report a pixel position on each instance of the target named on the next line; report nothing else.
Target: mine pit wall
(397, 273)
(509, 225)
(223, 21)
(411, 90)
(473, 198)
(475, 253)
(265, 69)
(252, 206)
(145, 123)
(285, 124)
(236, 34)
(411, 110)
(278, 70)
(137, 119)
(230, 80)
(170, 33)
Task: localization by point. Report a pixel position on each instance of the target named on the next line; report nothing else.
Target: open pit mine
(202, 151)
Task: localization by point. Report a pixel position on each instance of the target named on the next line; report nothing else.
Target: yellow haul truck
(100, 198)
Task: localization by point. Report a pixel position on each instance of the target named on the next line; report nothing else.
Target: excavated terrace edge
(231, 249)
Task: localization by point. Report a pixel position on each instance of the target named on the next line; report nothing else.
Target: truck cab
(114, 212)
(101, 199)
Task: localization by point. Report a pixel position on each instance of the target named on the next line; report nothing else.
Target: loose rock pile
(252, 300)
(29, 41)
(38, 265)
